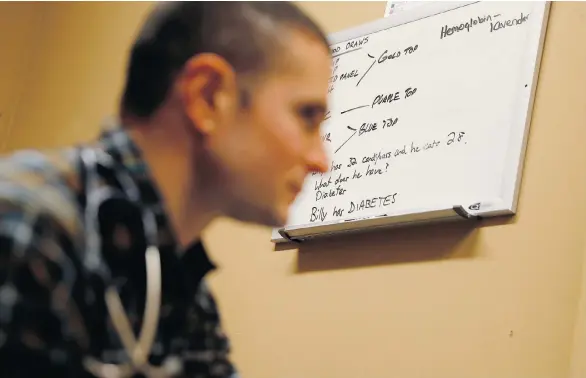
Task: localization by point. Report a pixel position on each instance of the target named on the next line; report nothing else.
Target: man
(101, 270)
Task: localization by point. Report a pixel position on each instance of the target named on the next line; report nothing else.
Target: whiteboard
(429, 113)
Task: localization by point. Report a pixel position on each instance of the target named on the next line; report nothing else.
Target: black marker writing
(356, 43)
(328, 193)
(410, 92)
(367, 71)
(410, 49)
(455, 137)
(373, 171)
(335, 166)
(372, 202)
(355, 108)
(346, 75)
(387, 98)
(499, 25)
(335, 64)
(375, 157)
(390, 122)
(341, 179)
(318, 214)
(323, 184)
(341, 176)
(366, 128)
(369, 127)
(351, 46)
(469, 24)
(388, 56)
(346, 141)
(346, 52)
(334, 76)
(349, 75)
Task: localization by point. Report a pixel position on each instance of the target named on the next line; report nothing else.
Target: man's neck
(170, 155)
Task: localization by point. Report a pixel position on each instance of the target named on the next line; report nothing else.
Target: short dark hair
(244, 33)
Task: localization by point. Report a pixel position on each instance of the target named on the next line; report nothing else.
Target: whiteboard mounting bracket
(461, 211)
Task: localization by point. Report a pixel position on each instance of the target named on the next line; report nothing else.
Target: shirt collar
(117, 143)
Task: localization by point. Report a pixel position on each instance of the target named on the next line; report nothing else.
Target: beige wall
(75, 79)
(19, 26)
(430, 302)
(578, 361)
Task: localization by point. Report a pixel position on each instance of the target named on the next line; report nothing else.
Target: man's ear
(208, 90)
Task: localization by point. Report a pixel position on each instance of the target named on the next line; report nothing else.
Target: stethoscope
(137, 350)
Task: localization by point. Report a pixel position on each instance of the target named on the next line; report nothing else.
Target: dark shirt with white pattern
(52, 307)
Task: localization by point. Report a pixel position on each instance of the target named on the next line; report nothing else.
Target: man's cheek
(290, 133)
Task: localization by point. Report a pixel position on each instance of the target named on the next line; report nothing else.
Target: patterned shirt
(53, 278)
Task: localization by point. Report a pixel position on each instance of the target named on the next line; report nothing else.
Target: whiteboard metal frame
(506, 204)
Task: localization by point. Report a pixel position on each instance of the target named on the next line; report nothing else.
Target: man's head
(250, 80)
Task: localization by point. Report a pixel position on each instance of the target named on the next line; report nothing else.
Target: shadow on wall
(457, 240)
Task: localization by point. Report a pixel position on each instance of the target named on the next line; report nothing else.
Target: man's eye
(312, 116)
(308, 114)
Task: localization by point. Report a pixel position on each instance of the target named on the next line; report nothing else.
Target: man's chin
(264, 217)
(273, 220)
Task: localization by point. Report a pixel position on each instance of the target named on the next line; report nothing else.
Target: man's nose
(318, 160)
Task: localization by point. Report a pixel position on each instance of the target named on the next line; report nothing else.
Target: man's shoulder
(35, 183)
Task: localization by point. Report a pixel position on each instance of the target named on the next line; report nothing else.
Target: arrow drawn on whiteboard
(358, 107)
(354, 133)
(373, 63)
